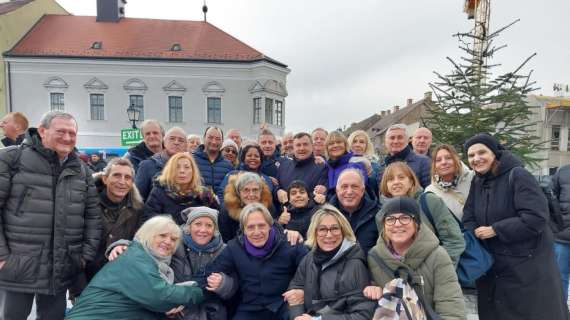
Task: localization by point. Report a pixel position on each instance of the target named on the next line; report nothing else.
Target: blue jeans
(562, 252)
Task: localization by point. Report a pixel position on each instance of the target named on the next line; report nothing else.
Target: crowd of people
(311, 226)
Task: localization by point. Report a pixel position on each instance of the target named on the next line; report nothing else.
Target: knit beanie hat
(229, 143)
(404, 205)
(488, 140)
(193, 213)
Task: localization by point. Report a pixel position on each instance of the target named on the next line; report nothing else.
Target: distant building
(377, 124)
(553, 126)
(16, 18)
(183, 73)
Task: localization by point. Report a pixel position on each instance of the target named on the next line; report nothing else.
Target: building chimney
(409, 101)
(110, 10)
(383, 113)
(388, 111)
(396, 109)
(427, 95)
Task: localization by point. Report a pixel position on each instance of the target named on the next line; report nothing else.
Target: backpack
(402, 296)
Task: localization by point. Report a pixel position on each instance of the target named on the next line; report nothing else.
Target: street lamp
(133, 114)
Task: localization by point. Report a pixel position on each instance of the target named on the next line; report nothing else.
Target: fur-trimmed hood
(232, 202)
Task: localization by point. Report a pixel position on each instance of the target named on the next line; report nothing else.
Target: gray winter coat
(50, 220)
(340, 283)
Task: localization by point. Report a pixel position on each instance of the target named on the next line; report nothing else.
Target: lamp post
(133, 114)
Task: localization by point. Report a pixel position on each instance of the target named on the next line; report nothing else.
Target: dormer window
(176, 47)
(97, 45)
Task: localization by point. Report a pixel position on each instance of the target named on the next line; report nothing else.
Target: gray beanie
(193, 213)
(229, 143)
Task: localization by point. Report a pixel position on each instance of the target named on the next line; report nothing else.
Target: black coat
(362, 221)
(50, 220)
(137, 154)
(307, 170)
(561, 188)
(524, 282)
(148, 170)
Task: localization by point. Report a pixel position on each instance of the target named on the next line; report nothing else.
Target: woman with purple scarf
(259, 263)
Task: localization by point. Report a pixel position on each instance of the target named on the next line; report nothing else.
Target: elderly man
(50, 220)
(302, 167)
(152, 132)
(287, 150)
(396, 143)
(421, 141)
(271, 154)
(352, 200)
(235, 135)
(319, 136)
(174, 141)
(14, 125)
(213, 166)
(122, 208)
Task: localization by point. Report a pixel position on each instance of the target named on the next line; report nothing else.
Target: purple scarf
(263, 251)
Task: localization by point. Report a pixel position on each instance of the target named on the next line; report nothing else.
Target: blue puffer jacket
(148, 169)
(213, 173)
(261, 281)
(338, 165)
(362, 221)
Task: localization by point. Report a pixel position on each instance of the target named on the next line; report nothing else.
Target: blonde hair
(168, 174)
(328, 210)
(454, 156)
(334, 137)
(389, 174)
(158, 225)
(369, 151)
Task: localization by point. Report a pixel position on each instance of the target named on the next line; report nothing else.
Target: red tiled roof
(131, 38)
(12, 5)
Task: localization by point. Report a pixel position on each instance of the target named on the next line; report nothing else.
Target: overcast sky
(350, 59)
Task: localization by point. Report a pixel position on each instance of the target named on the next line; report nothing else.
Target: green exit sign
(130, 137)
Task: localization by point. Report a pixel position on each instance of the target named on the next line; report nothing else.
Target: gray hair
(398, 126)
(251, 208)
(48, 117)
(351, 170)
(148, 122)
(118, 162)
(194, 136)
(175, 129)
(155, 226)
(246, 178)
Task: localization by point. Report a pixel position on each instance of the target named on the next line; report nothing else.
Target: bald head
(421, 140)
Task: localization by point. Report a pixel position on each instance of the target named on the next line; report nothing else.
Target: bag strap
(380, 262)
(427, 212)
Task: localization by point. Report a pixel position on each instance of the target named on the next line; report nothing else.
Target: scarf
(446, 185)
(190, 243)
(163, 264)
(400, 156)
(321, 257)
(261, 251)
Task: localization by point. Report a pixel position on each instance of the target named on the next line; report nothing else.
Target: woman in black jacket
(331, 278)
(508, 211)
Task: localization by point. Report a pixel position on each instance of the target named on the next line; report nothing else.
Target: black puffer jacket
(50, 220)
(561, 188)
(338, 285)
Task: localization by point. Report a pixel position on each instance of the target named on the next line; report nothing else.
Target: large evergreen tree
(471, 99)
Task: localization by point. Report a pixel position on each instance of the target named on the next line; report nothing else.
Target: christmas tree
(471, 99)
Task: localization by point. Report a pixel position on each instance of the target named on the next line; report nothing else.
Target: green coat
(450, 234)
(427, 259)
(131, 287)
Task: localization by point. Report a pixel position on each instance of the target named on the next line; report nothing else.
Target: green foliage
(470, 100)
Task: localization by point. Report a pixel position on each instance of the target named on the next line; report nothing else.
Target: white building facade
(191, 95)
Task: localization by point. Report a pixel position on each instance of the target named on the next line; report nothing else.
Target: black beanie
(488, 140)
(404, 205)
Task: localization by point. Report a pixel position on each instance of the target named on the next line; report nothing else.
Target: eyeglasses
(228, 150)
(322, 231)
(404, 220)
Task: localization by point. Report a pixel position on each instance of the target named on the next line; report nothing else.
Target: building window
(214, 110)
(268, 110)
(136, 101)
(56, 101)
(97, 106)
(555, 138)
(279, 113)
(175, 109)
(256, 110)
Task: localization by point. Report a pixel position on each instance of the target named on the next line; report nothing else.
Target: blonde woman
(332, 276)
(361, 146)
(178, 187)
